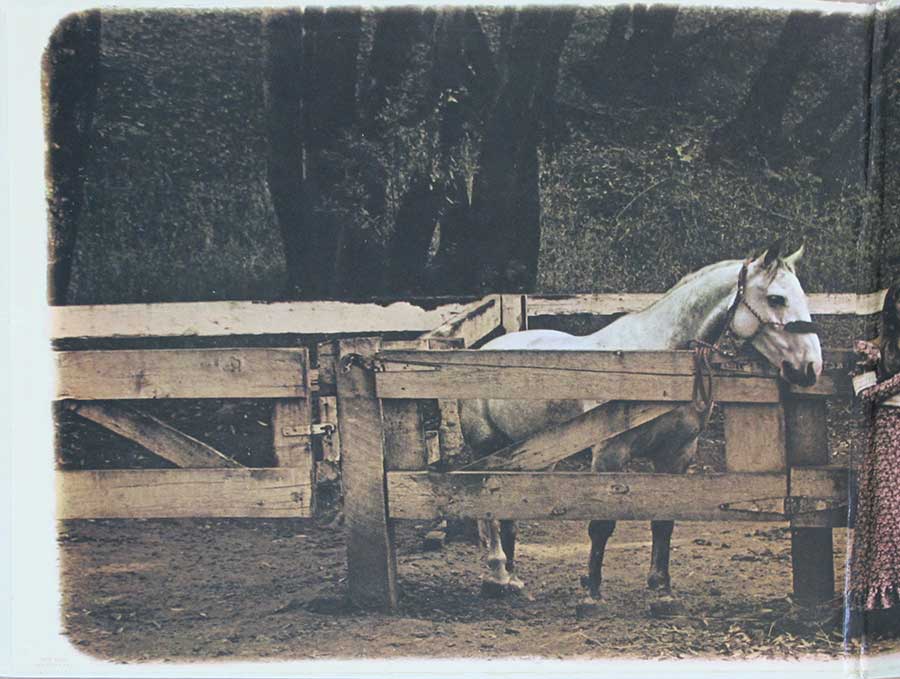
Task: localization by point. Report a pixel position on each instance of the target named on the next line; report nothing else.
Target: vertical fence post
(291, 419)
(371, 561)
(291, 439)
(812, 548)
(755, 438)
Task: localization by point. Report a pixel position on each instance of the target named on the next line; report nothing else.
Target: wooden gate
(776, 447)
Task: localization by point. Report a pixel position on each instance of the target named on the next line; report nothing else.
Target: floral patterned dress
(875, 555)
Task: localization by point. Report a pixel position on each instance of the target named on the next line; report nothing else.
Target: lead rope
(702, 391)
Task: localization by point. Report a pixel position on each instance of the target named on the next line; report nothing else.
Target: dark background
(347, 154)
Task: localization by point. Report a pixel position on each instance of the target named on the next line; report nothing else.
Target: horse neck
(694, 309)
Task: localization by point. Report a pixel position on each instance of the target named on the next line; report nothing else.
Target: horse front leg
(659, 577)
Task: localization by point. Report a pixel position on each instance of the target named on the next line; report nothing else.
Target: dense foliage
(347, 153)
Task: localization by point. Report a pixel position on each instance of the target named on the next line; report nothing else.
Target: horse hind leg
(659, 578)
(498, 579)
(508, 532)
(600, 531)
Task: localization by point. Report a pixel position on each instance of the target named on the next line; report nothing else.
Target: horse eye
(776, 300)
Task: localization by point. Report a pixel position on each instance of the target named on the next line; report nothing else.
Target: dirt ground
(243, 589)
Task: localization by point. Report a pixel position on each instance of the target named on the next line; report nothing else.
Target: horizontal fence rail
(209, 319)
(182, 373)
(183, 493)
(543, 375)
(603, 304)
(622, 496)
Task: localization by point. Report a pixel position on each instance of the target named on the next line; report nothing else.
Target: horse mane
(691, 277)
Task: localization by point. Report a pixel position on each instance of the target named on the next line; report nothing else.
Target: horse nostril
(811, 373)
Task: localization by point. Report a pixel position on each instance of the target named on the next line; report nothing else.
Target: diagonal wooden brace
(591, 428)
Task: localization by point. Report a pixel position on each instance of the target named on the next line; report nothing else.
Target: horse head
(773, 315)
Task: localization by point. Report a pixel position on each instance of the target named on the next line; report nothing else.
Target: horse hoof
(515, 585)
(666, 607)
(494, 589)
(589, 607)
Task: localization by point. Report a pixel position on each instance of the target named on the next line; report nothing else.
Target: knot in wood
(364, 362)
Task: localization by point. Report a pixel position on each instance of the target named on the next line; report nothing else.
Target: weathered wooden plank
(432, 447)
(603, 304)
(579, 495)
(599, 304)
(754, 437)
(331, 444)
(326, 357)
(371, 560)
(513, 314)
(473, 323)
(461, 382)
(291, 420)
(404, 435)
(825, 481)
(806, 433)
(203, 319)
(625, 362)
(292, 440)
(182, 373)
(558, 442)
(153, 434)
(175, 493)
(812, 545)
(450, 434)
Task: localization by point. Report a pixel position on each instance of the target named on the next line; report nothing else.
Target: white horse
(772, 314)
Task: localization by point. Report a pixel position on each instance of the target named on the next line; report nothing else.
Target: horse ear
(791, 260)
(772, 252)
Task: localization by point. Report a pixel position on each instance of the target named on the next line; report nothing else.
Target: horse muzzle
(802, 378)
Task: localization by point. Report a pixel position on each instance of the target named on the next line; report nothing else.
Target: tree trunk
(330, 50)
(505, 201)
(283, 35)
(758, 123)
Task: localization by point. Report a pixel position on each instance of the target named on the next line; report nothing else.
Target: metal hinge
(784, 506)
(317, 429)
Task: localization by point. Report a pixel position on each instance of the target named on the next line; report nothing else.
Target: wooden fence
(206, 482)
(368, 392)
(776, 441)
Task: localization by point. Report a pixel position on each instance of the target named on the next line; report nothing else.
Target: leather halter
(702, 390)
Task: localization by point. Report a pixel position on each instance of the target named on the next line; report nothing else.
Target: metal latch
(318, 429)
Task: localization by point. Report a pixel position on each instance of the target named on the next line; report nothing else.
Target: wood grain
(204, 319)
(513, 315)
(291, 419)
(473, 323)
(603, 304)
(579, 495)
(371, 560)
(754, 437)
(543, 383)
(331, 444)
(404, 435)
(176, 493)
(182, 373)
(558, 442)
(153, 434)
(812, 543)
